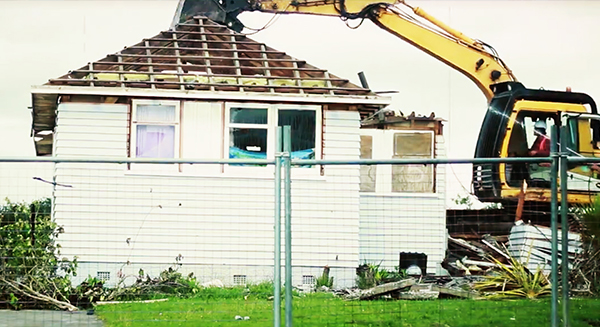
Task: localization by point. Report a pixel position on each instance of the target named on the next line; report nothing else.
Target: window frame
(134, 123)
(227, 127)
(272, 123)
(432, 156)
(383, 149)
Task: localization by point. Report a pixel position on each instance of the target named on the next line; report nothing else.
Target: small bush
(584, 277)
(263, 290)
(324, 280)
(370, 275)
(30, 257)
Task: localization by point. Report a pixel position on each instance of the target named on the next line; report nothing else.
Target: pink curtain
(155, 141)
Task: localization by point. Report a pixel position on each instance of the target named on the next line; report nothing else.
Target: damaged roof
(395, 119)
(202, 55)
(197, 59)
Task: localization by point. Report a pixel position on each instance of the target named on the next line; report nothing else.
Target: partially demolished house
(202, 91)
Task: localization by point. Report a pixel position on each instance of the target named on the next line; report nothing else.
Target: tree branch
(38, 296)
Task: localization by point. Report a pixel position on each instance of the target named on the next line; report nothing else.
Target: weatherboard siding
(120, 218)
(87, 129)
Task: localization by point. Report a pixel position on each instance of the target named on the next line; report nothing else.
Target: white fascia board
(209, 95)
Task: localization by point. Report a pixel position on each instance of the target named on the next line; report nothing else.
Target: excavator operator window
(582, 177)
(581, 143)
(530, 137)
(580, 137)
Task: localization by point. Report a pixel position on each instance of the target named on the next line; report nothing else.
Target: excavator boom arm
(468, 56)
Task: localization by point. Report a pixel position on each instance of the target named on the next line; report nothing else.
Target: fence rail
(355, 229)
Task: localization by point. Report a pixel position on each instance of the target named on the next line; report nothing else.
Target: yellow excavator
(515, 117)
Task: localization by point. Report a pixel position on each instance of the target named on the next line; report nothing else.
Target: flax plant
(514, 281)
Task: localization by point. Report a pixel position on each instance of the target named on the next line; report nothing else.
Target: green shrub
(30, 257)
(324, 280)
(584, 277)
(370, 275)
(263, 290)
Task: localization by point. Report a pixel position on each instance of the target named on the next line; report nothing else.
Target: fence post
(553, 223)
(564, 206)
(277, 222)
(287, 150)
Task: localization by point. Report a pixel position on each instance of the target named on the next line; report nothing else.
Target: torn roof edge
(388, 114)
(212, 95)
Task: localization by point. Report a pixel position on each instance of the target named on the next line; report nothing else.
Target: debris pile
(533, 244)
(528, 243)
(416, 289)
(465, 258)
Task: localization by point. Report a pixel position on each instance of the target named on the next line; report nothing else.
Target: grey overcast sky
(549, 44)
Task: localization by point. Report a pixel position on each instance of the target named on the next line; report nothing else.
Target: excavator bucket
(223, 12)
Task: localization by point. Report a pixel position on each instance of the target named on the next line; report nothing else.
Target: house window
(248, 133)
(155, 129)
(396, 144)
(251, 130)
(302, 124)
(412, 178)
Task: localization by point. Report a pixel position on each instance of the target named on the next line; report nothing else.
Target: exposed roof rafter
(198, 59)
(204, 56)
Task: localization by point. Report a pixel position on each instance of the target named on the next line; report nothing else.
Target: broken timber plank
(419, 295)
(495, 249)
(454, 292)
(384, 289)
(521, 202)
(480, 252)
(481, 263)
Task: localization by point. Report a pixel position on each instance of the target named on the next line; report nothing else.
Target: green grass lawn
(326, 310)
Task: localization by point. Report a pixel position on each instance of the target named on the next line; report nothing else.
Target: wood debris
(473, 257)
(387, 288)
(411, 289)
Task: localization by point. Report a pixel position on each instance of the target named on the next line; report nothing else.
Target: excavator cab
(509, 130)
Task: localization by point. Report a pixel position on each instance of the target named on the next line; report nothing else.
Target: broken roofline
(200, 55)
(212, 95)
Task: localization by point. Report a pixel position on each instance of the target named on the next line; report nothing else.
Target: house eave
(45, 98)
(212, 95)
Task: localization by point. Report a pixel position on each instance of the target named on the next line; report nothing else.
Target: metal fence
(359, 242)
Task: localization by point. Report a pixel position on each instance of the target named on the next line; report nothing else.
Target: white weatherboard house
(202, 91)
